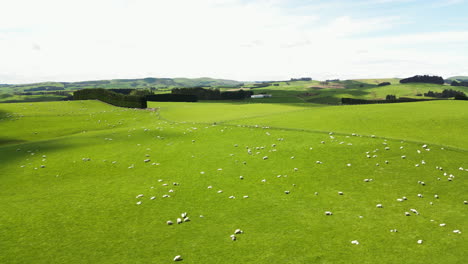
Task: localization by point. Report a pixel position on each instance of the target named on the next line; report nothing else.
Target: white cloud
(243, 40)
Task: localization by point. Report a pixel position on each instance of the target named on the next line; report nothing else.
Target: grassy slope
(438, 122)
(75, 211)
(296, 91)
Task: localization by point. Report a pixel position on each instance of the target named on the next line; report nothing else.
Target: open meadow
(87, 182)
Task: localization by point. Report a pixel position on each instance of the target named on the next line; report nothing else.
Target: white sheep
(420, 195)
(241, 177)
(246, 196)
(457, 231)
(379, 206)
(443, 224)
(420, 241)
(355, 242)
(138, 203)
(233, 238)
(286, 192)
(340, 193)
(177, 258)
(179, 221)
(169, 222)
(183, 215)
(328, 213)
(238, 231)
(407, 214)
(186, 219)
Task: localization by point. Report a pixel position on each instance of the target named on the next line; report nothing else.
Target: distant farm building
(260, 96)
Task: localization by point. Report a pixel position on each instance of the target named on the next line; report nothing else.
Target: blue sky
(56, 40)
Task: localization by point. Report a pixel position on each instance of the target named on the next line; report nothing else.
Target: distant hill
(123, 83)
(456, 78)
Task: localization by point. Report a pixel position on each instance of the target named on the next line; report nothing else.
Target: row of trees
(111, 98)
(462, 83)
(423, 79)
(213, 94)
(447, 93)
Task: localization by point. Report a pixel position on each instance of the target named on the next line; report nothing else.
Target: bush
(111, 98)
(383, 84)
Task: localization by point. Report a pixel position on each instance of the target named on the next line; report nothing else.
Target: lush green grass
(10, 98)
(76, 210)
(317, 92)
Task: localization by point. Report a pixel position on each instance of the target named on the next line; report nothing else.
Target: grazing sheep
(238, 231)
(420, 241)
(153, 197)
(399, 200)
(171, 190)
(183, 215)
(166, 196)
(177, 258)
(179, 221)
(186, 219)
(169, 222)
(138, 203)
(232, 197)
(436, 196)
(328, 213)
(457, 231)
(139, 196)
(209, 187)
(220, 191)
(316, 193)
(286, 192)
(264, 180)
(246, 196)
(407, 214)
(403, 157)
(393, 230)
(379, 206)
(420, 195)
(318, 162)
(465, 202)
(340, 193)
(414, 211)
(404, 198)
(241, 177)
(355, 242)
(265, 158)
(233, 238)
(443, 224)
(147, 160)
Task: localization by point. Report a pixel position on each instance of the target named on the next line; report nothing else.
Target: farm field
(78, 180)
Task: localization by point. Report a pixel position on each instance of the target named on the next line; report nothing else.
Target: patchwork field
(86, 182)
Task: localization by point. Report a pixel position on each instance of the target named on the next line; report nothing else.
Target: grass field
(71, 172)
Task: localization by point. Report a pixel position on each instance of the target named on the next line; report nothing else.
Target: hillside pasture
(79, 187)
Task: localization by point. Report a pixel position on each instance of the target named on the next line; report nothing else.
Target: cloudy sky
(72, 40)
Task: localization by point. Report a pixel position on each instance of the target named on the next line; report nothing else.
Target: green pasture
(71, 173)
